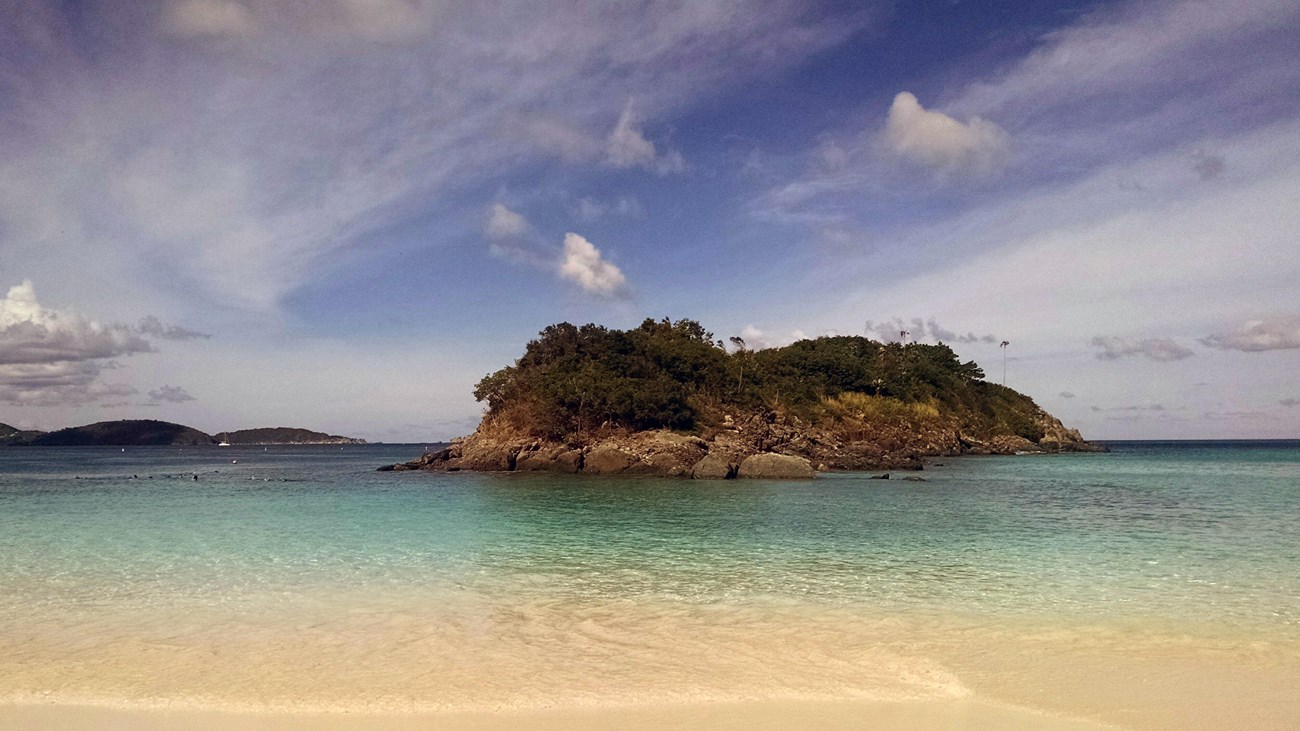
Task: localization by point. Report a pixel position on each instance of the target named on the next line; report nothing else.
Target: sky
(340, 214)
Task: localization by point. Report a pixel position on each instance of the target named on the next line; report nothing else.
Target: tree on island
(579, 380)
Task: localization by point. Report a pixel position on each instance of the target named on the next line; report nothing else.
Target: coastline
(242, 603)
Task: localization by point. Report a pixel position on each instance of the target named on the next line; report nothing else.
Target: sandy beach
(758, 716)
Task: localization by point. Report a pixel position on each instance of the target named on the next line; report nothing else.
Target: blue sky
(341, 214)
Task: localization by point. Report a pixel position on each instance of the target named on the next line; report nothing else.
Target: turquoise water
(111, 560)
(1161, 529)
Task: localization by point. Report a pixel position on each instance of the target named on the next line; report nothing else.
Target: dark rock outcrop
(760, 445)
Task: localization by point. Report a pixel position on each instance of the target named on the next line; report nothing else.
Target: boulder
(775, 467)
(552, 459)
(606, 459)
(714, 467)
(489, 456)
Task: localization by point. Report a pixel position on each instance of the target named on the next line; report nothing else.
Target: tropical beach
(759, 364)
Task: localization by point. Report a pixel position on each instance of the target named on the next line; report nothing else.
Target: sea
(1154, 586)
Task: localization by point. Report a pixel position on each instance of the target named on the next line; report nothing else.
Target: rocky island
(668, 399)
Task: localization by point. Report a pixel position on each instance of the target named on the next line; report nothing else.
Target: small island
(668, 399)
(152, 433)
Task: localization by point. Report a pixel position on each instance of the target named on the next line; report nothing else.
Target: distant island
(666, 398)
(148, 432)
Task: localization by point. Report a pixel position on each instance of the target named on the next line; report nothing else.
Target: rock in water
(775, 467)
(714, 467)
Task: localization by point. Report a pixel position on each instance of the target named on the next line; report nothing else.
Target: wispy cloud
(627, 147)
(153, 327)
(919, 329)
(591, 209)
(207, 18)
(158, 153)
(170, 394)
(1207, 166)
(1273, 333)
(503, 223)
(1111, 347)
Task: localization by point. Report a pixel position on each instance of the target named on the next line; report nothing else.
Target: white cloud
(236, 174)
(942, 143)
(585, 265)
(1161, 349)
(170, 394)
(32, 334)
(207, 18)
(54, 357)
(503, 223)
(756, 339)
(1274, 333)
(628, 147)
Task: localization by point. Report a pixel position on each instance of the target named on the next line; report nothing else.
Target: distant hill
(148, 432)
(285, 435)
(126, 433)
(12, 435)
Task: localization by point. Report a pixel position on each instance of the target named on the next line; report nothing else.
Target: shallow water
(297, 577)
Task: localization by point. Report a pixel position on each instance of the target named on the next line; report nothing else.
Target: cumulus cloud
(32, 334)
(1162, 349)
(918, 329)
(628, 147)
(584, 265)
(1273, 333)
(170, 394)
(942, 143)
(52, 357)
(207, 18)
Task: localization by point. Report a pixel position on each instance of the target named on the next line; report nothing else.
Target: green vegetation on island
(585, 397)
(675, 375)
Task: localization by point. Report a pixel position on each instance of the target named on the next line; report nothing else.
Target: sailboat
(225, 440)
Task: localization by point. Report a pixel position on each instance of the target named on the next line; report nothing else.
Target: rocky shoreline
(767, 445)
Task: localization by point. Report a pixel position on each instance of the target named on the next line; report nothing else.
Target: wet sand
(568, 667)
(754, 716)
